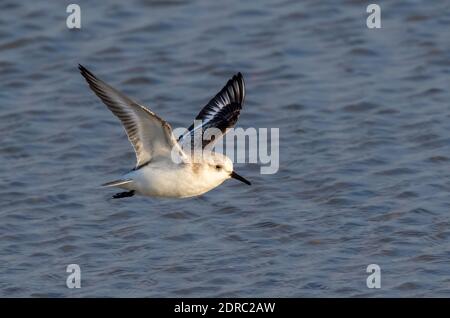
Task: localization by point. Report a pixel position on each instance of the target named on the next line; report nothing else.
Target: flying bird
(157, 173)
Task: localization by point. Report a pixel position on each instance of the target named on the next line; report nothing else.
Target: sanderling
(156, 173)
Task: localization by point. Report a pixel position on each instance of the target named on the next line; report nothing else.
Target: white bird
(156, 173)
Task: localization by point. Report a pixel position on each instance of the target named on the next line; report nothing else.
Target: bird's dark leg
(123, 194)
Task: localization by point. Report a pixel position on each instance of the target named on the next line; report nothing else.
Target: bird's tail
(116, 183)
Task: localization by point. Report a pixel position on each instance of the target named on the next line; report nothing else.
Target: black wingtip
(238, 77)
(85, 72)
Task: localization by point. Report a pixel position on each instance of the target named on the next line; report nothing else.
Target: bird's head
(222, 167)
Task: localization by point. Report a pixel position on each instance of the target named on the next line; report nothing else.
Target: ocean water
(364, 121)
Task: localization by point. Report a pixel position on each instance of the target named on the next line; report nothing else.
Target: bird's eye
(218, 167)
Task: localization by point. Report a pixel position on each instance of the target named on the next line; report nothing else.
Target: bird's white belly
(172, 183)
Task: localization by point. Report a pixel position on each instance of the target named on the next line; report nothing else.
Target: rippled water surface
(364, 149)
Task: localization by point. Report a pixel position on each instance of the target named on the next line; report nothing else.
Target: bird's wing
(221, 112)
(149, 134)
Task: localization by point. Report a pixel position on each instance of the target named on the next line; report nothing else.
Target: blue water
(364, 149)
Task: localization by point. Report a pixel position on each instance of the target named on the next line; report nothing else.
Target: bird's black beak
(234, 175)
